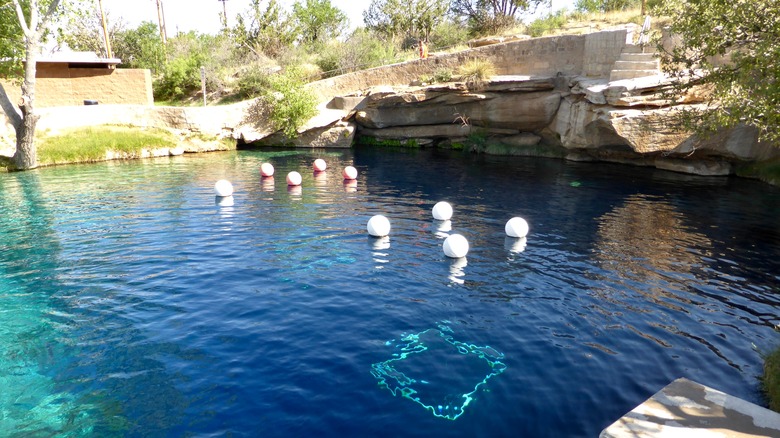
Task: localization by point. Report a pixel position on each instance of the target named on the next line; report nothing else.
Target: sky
(204, 15)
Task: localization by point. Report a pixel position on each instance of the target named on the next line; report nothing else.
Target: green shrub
(286, 104)
(448, 34)
(770, 382)
(363, 49)
(253, 81)
(547, 24)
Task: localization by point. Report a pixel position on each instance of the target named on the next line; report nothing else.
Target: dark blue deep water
(132, 305)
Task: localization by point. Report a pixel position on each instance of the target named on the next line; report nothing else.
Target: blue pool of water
(132, 305)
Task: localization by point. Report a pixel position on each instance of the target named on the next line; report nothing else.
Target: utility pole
(106, 40)
(161, 20)
(224, 12)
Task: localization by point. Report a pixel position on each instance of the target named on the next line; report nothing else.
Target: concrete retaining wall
(589, 55)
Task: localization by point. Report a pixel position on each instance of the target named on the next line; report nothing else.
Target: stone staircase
(635, 63)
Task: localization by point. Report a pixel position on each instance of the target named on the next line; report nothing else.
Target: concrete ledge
(688, 409)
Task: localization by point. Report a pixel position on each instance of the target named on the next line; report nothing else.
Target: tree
(490, 16)
(318, 20)
(84, 32)
(263, 30)
(140, 47)
(405, 18)
(732, 49)
(29, 20)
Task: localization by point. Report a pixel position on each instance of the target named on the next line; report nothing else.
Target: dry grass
(476, 72)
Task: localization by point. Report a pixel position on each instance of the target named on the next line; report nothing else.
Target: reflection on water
(646, 242)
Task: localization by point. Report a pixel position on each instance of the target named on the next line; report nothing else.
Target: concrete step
(650, 56)
(687, 408)
(636, 65)
(618, 75)
(633, 48)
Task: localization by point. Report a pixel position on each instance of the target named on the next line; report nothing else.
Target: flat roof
(78, 58)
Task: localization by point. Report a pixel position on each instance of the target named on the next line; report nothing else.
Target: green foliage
(439, 76)
(187, 53)
(265, 31)
(770, 381)
(476, 72)
(547, 24)
(286, 104)
(83, 31)
(605, 5)
(140, 47)
(405, 19)
(11, 47)
(253, 82)
(363, 49)
(318, 21)
(491, 17)
(731, 48)
(92, 144)
(767, 171)
(448, 34)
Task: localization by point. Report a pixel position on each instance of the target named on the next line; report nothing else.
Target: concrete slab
(688, 409)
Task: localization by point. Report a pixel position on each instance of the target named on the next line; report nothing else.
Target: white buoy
(223, 188)
(455, 246)
(294, 179)
(267, 169)
(320, 165)
(516, 227)
(378, 226)
(350, 173)
(442, 211)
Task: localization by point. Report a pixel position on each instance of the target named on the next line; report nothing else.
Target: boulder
(338, 135)
(695, 167)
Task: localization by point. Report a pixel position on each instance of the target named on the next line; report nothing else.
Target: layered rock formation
(578, 118)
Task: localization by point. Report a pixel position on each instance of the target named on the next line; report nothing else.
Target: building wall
(58, 85)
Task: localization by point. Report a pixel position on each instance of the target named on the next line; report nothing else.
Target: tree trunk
(26, 155)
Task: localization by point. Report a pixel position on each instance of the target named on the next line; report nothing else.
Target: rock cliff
(575, 117)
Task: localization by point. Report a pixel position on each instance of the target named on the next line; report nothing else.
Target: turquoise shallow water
(132, 305)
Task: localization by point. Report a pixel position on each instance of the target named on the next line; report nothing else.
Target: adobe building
(79, 78)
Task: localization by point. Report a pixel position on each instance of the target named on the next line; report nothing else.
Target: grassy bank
(93, 143)
(771, 379)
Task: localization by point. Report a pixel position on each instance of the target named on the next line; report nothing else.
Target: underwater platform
(687, 408)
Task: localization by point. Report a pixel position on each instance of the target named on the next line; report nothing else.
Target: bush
(286, 104)
(448, 34)
(547, 24)
(180, 76)
(362, 50)
(253, 81)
